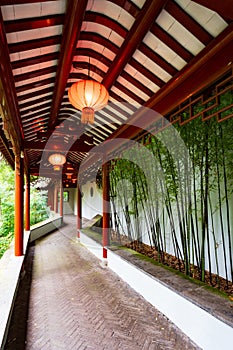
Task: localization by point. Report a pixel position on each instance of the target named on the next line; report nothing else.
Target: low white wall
(204, 329)
(47, 226)
(91, 200)
(10, 269)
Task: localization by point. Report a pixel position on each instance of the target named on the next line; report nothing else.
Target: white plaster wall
(216, 238)
(91, 200)
(68, 207)
(92, 205)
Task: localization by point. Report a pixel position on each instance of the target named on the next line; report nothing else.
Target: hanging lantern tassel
(88, 96)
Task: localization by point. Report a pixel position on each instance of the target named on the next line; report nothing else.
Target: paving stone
(75, 303)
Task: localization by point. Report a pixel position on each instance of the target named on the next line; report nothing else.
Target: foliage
(6, 200)
(38, 205)
(185, 191)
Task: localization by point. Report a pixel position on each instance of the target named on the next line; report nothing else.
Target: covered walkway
(75, 303)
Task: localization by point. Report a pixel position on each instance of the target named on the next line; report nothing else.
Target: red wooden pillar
(79, 210)
(19, 183)
(27, 203)
(106, 207)
(61, 200)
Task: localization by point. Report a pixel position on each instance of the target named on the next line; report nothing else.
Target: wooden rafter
(73, 22)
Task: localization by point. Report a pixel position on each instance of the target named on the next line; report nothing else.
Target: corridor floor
(75, 303)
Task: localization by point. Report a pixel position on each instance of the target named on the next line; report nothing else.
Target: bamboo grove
(174, 191)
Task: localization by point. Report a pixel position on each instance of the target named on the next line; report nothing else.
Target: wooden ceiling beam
(73, 21)
(141, 26)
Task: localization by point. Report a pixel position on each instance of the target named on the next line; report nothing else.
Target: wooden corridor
(75, 303)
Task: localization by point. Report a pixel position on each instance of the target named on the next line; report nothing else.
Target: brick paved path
(75, 303)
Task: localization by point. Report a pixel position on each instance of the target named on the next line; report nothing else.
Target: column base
(104, 262)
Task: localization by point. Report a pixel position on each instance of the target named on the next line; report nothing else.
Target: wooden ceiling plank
(129, 6)
(198, 73)
(106, 22)
(36, 94)
(223, 8)
(188, 22)
(139, 29)
(95, 37)
(73, 22)
(35, 60)
(173, 44)
(146, 72)
(129, 93)
(90, 53)
(34, 44)
(35, 73)
(157, 59)
(89, 67)
(136, 83)
(35, 109)
(18, 25)
(35, 115)
(35, 84)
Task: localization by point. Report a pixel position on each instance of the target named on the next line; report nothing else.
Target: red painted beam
(18, 227)
(27, 203)
(142, 24)
(61, 200)
(79, 210)
(73, 21)
(106, 208)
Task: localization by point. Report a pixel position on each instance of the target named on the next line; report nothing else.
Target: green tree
(6, 205)
(38, 207)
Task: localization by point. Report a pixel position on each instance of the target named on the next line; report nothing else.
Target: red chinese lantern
(88, 96)
(57, 160)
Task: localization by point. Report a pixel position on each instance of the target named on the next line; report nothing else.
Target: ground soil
(171, 261)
